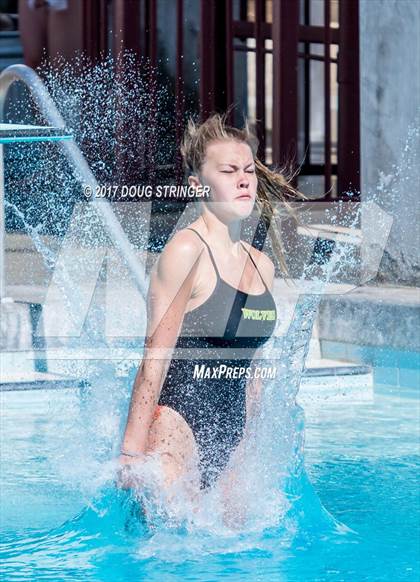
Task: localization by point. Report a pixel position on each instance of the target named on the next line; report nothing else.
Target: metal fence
(289, 66)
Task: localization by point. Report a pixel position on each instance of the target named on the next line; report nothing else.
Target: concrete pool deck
(350, 319)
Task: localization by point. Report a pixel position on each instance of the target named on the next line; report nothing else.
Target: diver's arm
(253, 390)
(254, 385)
(170, 289)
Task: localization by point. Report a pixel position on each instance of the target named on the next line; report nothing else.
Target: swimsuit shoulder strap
(261, 277)
(208, 248)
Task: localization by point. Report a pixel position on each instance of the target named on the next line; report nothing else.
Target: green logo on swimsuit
(259, 314)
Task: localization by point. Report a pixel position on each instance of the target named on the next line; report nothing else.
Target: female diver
(210, 300)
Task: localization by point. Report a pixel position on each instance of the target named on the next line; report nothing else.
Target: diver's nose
(243, 180)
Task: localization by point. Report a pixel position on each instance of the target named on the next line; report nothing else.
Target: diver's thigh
(232, 483)
(173, 439)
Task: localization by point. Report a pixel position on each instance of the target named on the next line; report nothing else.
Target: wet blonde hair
(272, 184)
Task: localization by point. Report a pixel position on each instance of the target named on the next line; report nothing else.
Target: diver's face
(229, 170)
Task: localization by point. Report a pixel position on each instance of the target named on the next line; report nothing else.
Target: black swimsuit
(215, 407)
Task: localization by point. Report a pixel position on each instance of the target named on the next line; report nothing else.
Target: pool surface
(62, 519)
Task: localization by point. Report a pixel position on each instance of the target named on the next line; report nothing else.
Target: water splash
(272, 482)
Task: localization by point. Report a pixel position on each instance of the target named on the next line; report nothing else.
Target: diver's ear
(194, 181)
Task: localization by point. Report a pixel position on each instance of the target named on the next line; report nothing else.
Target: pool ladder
(45, 104)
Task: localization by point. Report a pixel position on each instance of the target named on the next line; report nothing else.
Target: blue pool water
(62, 520)
(351, 513)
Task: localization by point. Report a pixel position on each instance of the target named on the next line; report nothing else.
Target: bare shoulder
(179, 255)
(265, 264)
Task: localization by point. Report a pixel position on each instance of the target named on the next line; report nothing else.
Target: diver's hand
(126, 475)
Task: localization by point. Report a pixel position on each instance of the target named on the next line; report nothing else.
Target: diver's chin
(244, 208)
(231, 212)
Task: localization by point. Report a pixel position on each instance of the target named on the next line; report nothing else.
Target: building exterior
(331, 86)
(390, 126)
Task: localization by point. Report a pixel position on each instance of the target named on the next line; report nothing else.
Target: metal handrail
(76, 159)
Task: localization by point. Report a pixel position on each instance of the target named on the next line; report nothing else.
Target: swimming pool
(62, 520)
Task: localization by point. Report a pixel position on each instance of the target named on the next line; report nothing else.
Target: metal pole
(76, 159)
